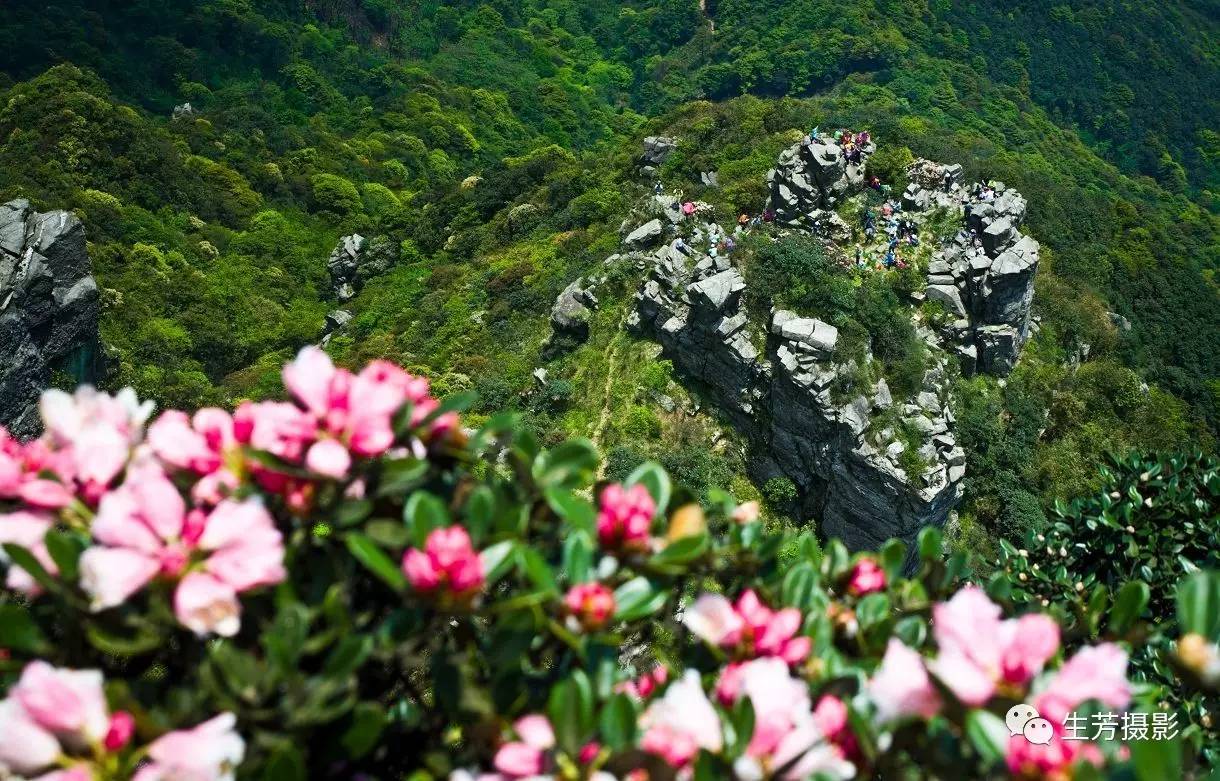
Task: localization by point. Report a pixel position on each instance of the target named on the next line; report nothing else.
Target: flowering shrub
(348, 584)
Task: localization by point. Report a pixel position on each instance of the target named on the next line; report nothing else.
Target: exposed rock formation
(984, 276)
(785, 389)
(570, 314)
(657, 149)
(336, 321)
(355, 260)
(810, 179)
(48, 308)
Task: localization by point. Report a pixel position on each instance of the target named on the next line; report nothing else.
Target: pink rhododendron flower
(681, 722)
(590, 604)
(93, 434)
(747, 512)
(901, 686)
(67, 703)
(35, 473)
(206, 604)
(1094, 673)
(145, 530)
(643, 687)
(118, 734)
(525, 757)
(208, 752)
(74, 773)
(624, 519)
(448, 563)
(749, 628)
(978, 650)
(25, 747)
(786, 729)
(205, 444)
(1051, 761)
(27, 529)
(49, 711)
(866, 577)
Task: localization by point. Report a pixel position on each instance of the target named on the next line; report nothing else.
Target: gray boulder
(355, 260)
(646, 235)
(571, 312)
(49, 306)
(657, 149)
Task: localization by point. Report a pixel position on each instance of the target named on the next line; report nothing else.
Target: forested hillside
(495, 146)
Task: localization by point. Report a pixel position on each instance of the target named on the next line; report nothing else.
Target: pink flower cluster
(88, 440)
(647, 684)
(748, 629)
(1095, 673)
(591, 605)
(337, 414)
(866, 577)
(448, 566)
(624, 520)
(210, 751)
(144, 530)
(525, 757)
(681, 722)
(981, 655)
(790, 737)
(979, 651)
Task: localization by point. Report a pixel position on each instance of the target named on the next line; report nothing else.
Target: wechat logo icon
(1023, 719)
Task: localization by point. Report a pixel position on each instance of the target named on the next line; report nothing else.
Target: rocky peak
(48, 308)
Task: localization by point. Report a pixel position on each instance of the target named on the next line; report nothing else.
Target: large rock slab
(49, 306)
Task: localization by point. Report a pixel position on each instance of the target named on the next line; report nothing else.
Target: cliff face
(794, 398)
(48, 308)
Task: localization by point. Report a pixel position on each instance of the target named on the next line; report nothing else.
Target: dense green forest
(495, 143)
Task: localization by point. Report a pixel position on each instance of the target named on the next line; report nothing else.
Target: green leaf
(480, 509)
(352, 512)
(21, 557)
(931, 543)
(569, 465)
(286, 639)
(578, 557)
(285, 764)
(800, 583)
(1155, 760)
(570, 710)
(347, 656)
(653, 476)
(638, 598)
(537, 570)
(1128, 606)
(987, 734)
(872, 610)
(388, 532)
(681, 551)
(144, 640)
(497, 560)
(893, 554)
(423, 513)
(375, 560)
(401, 476)
(65, 550)
(618, 722)
(1198, 605)
(368, 722)
(577, 511)
(835, 560)
(18, 632)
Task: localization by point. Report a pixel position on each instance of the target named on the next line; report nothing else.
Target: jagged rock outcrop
(984, 275)
(571, 312)
(657, 149)
(811, 178)
(49, 306)
(355, 260)
(789, 393)
(336, 320)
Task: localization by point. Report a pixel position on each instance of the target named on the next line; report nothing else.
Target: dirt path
(603, 420)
